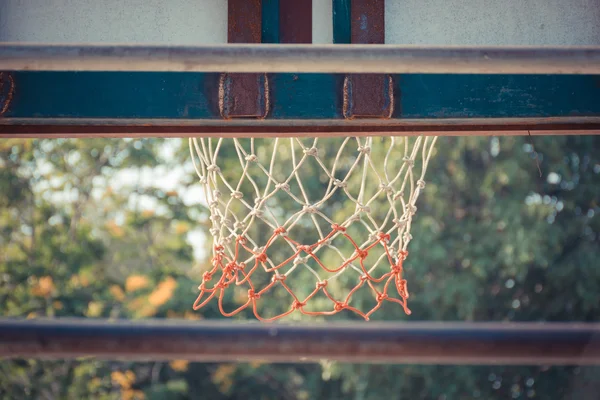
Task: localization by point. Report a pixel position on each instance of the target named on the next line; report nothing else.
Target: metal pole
(422, 343)
(90, 127)
(303, 58)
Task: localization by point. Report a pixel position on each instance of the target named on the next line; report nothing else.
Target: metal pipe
(90, 127)
(215, 341)
(302, 58)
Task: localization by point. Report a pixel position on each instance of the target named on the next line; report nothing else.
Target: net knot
(251, 158)
(384, 237)
(338, 228)
(297, 305)
(364, 149)
(364, 278)
(261, 257)
(421, 184)
(222, 285)
(402, 254)
(213, 168)
(237, 195)
(279, 230)
(207, 276)
(381, 297)
(407, 237)
(304, 248)
(397, 269)
(411, 209)
(283, 186)
(309, 209)
(216, 194)
(340, 184)
(386, 188)
(241, 240)
(339, 306)
(398, 223)
(239, 225)
(409, 161)
(362, 253)
(278, 278)
(321, 285)
(252, 295)
(258, 213)
(313, 151)
(203, 180)
(219, 249)
(300, 260)
(214, 231)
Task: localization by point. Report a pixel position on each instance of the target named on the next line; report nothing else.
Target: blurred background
(116, 228)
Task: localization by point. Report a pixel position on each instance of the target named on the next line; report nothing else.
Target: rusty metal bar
(368, 95)
(355, 58)
(90, 127)
(422, 343)
(295, 21)
(244, 95)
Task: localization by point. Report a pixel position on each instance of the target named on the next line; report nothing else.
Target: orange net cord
(231, 271)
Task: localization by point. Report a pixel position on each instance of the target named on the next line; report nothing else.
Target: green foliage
(86, 231)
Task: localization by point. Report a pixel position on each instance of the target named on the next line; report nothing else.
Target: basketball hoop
(337, 209)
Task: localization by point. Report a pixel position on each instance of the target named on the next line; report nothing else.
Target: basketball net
(337, 211)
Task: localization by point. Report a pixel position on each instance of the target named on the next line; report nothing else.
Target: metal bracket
(7, 91)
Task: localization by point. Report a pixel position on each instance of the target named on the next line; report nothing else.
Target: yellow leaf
(114, 229)
(117, 292)
(136, 282)
(223, 372)
(31, 315)
(94, 309)
(192, 316)
(163, 292)
(181, 228)
(147, 213)
(179, 365)
(84, 280)
(119, 378)
(57, 305)
(44, 287)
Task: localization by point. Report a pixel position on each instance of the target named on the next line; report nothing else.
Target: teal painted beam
(122, 95)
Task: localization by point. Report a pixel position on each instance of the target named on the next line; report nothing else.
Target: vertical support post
(244, 95)
(368, 95)
(295, 21)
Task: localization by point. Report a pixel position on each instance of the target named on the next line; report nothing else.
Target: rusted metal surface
(243, 95)
(338, 58)
(80, 127)
(295, 21)
(368, 95)
(424, 343)
(7, 91)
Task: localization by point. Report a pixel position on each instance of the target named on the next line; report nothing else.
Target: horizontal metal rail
(422, 343)
(300, 58)
(90, 127)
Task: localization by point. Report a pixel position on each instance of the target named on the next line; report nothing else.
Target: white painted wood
(493, 22)
(322, 26)
(178, 22)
